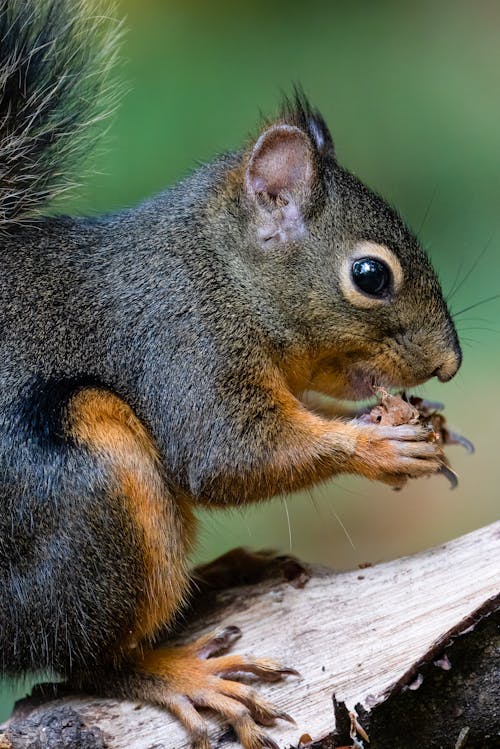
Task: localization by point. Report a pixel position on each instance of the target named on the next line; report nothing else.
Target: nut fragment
(394, 410)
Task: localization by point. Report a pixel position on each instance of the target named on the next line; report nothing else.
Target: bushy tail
(55, 58)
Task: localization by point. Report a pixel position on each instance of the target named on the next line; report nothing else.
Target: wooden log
(411, 645)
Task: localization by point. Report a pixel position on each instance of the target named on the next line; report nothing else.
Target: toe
(239, 716)
(182, 708)
(185, 678)
(215, 642)
(261, 710)
(264, 668)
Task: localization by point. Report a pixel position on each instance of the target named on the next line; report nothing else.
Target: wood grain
(355, 634)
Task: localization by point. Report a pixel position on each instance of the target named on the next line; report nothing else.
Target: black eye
(371, 276)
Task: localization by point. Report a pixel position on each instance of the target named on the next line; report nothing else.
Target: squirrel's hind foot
(182, 679)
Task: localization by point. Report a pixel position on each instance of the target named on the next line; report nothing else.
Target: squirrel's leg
(192, 676)
(330, 408)
(177, 678)
(288, 448)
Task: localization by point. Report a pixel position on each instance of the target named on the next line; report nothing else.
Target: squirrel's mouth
(358, 380)
(363, 382)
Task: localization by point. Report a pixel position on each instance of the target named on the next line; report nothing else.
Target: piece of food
(394, 410)
(429, 413)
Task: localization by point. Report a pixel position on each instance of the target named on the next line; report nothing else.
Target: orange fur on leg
(187, 677)
(165, 524)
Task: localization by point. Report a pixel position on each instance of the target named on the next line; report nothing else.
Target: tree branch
(413, 645)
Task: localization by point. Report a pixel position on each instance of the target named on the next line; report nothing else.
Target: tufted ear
(278, 181)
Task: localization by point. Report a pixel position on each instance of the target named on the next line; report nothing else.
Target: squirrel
(162, 358)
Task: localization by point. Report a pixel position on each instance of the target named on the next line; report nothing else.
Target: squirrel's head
(340, 281)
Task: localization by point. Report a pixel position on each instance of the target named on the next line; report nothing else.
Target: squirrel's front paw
(393, 454)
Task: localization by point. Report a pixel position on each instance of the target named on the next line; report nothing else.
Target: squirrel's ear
(278, 181)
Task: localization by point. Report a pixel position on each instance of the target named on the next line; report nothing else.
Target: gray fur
(56, 57)
(175, 307)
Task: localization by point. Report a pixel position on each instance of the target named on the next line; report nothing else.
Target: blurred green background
(412, 94)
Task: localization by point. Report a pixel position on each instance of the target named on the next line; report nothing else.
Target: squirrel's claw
(189, 677)
(263, 668)
(215, 642)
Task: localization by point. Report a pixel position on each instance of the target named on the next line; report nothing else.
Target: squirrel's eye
(371, 276)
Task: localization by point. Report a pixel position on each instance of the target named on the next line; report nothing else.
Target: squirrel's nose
(450, 364)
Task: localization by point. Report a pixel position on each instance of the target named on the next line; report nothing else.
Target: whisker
(475, 263)
(477, 304)
(470, 341)
(313, 500)
(458, 273)
(477, 319)
(477, 327)
(335, 514)
(285, 505)
(339, 521)
(428, 209)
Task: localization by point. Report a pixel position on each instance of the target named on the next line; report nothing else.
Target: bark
(412, 646)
